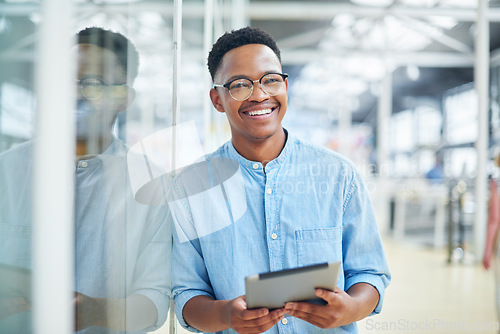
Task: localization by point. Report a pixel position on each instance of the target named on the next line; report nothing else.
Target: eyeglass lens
(272, 84)
(91, 88)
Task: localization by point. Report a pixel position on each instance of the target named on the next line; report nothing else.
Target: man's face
(250, 61)
(97, 65)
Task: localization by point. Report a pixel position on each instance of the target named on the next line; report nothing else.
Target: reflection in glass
(122, 247)
(16, 127)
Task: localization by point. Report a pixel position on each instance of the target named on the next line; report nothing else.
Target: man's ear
(130, 96)
(125, 101)
(216, 100)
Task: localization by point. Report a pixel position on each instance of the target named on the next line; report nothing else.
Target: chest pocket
(15, 245)
(318, 245)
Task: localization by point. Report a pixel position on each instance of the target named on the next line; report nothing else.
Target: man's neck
(86, 147)
(262, 150)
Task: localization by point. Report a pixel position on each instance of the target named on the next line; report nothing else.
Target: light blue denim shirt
(309, 205)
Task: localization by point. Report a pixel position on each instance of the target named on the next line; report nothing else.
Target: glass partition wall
(17, 127)
(91, 130)
(86, 115)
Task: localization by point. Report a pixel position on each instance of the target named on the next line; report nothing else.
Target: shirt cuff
(181, 299)
(161, 300)
(377, 282)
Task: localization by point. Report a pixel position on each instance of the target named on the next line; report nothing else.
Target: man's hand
(243, 320)
(342, 307)
(209, 315)
(88, 311)
(133, 313)
(10, 305)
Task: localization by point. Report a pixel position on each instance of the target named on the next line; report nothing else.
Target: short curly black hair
(237, 38)
(123, 48)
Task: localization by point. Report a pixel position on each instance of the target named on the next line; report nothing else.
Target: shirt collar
(116, 147)
(281, 158)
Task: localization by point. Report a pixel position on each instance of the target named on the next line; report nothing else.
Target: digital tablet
(274, 289)
(14, 282)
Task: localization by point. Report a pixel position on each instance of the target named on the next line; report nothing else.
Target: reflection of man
(304, 205)
(121, 246)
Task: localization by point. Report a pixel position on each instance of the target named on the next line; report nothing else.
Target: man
(304, 205)
(122, 247)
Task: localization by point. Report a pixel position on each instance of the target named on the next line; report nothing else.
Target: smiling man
(255, 119)
(304, 205)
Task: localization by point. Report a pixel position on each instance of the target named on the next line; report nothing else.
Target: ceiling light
(413, 72)
(373, 3)
(420, 3)
(343, 20)
(459, 3)
(446, 22)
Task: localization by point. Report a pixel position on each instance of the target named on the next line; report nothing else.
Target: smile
(259, 112)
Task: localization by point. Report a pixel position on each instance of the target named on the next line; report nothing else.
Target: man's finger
(262, 324)
(254, 314)
(327, 295)
(303, 307)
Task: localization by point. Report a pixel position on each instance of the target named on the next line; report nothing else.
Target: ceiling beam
(321, 10)
(269, 10)
(302, 39)
(437, 35)
(420, 58)
(302, 57)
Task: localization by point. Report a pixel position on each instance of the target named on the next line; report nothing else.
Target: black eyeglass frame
(227, 85)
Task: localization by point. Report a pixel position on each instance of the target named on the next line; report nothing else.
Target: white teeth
(260, 112)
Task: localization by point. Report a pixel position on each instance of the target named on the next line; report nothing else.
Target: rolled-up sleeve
(363, 253)
(152, 274)
(190, 277)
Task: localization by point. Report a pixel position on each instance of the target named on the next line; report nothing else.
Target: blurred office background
(401, 87)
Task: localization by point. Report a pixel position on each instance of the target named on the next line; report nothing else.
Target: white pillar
(176, 112)
(177, 39)
(239, 17)
(383, 118)
(481, 80)
(208, 39)
(53, 218)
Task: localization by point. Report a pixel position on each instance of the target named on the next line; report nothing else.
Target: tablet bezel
(274, 289)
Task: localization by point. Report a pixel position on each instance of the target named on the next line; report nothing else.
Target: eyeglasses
(93, 88)
(242, 88)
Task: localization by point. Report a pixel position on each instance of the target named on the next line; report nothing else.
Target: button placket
(272, 219)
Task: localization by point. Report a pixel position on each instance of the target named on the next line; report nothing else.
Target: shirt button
(274, 236)
(255, 166)
(284, 321)
(269, 191)
(84, 164)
